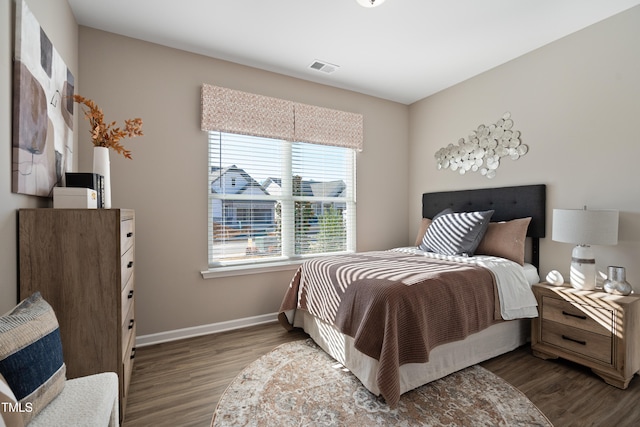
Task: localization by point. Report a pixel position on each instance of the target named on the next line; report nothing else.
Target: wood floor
(180, 383)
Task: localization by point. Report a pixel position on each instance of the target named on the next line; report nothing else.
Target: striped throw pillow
(424, 226)
(457, 233)
(31, 355)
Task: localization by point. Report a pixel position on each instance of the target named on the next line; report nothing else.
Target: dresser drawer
(128, 329)
(127, 298)
(579, 341)
(126, 267)
(127, 363)
(587, 317)
(126, 235)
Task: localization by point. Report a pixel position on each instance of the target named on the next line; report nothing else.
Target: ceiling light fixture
(370, 3)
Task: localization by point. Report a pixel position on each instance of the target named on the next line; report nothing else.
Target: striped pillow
(31, 354)
(457, 233)
(424, 226)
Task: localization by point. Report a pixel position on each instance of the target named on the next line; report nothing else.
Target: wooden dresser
(82, 262)
(592, 328)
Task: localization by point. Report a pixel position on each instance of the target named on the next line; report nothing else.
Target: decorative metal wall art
(483, 149)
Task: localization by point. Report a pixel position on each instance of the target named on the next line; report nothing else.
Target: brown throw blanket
(397, 306)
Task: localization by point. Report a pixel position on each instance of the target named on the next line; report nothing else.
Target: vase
(102, 166)
(616, 282)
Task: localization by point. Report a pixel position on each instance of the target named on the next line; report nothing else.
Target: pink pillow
(505, 240)
(424, 224)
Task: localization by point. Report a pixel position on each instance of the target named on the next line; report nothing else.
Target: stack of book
(93, 181)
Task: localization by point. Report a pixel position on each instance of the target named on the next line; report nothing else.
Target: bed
(401, 318)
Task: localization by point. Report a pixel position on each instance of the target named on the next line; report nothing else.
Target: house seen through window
(274, 200)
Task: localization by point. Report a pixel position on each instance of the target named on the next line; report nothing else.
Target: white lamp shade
(585, 227)
(370, 3)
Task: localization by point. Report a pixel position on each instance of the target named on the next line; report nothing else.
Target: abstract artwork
(43, 90)
(483, 149)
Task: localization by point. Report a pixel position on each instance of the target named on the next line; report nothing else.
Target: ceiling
(402, 50)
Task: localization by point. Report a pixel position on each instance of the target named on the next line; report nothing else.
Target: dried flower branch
(108, 135)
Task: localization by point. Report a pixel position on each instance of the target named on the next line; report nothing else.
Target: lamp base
(583, 268)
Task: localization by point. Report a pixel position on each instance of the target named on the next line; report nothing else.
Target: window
(275, 200)
(271, 199)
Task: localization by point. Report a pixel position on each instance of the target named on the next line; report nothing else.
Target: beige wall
(58, 22)
(166, 182)
(577, 104)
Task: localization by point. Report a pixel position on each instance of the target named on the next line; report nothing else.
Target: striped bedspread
(396, 305)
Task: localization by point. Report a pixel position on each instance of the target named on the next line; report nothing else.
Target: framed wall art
(43, 90)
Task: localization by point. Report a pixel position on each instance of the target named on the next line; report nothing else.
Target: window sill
(243, 270)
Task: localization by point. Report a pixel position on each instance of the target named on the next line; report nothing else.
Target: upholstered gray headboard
(507, 202)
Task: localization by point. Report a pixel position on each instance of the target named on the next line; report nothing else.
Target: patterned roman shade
(234, 111)
(325, 126)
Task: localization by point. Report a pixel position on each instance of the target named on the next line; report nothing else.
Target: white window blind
(274, 200)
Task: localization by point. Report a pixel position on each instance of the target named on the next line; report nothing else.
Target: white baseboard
(178, 334)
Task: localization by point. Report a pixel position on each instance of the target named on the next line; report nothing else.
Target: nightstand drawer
(580, 341)
(587, 317)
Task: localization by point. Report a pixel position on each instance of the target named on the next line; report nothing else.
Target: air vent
(323, 66)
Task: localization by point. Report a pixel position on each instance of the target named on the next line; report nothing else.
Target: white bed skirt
(443, 360)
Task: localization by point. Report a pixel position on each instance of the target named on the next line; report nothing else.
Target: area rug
(298, 384)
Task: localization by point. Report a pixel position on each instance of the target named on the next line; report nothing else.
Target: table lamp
(584, 227)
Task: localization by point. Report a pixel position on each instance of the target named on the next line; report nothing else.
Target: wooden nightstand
(592, 328)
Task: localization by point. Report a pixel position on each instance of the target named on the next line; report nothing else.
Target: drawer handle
(574, 315)
(131, 322)
(130, 264)
(133, 353)
(130, 294)
(130, 234)
(564, 337)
